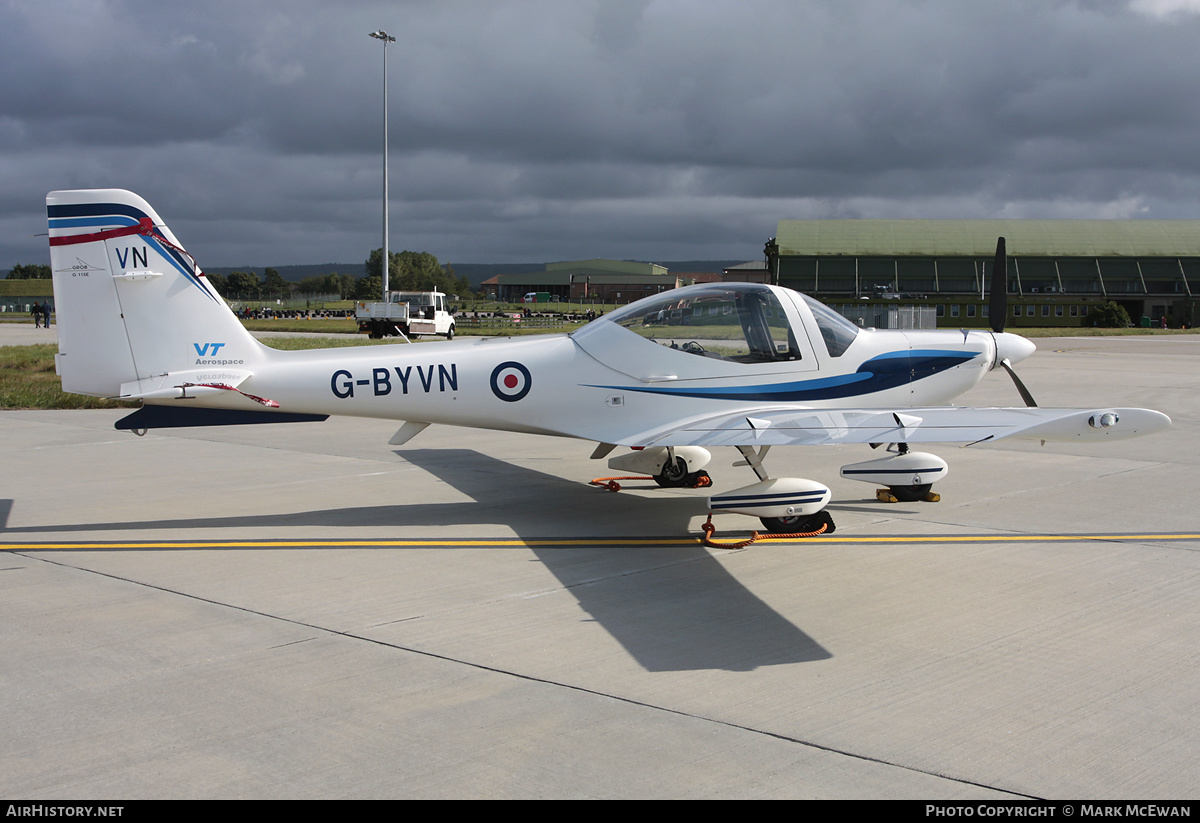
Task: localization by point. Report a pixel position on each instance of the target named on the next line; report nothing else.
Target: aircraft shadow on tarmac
(672, 607)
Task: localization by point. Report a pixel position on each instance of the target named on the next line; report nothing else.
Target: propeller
(998, 299)
(998, 313)
(1025, 395)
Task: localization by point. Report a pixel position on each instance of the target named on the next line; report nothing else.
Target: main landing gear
(909, 476)
(794, 505)
(819, 523)
(672, 467)
(784, 505)
(676, 474)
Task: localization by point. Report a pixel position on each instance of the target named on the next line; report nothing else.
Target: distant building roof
(558, 278)
(753, 272)
(608, 266)
(594, 271)
(1061, 238)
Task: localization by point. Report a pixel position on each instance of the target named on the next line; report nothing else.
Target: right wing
(775, 426)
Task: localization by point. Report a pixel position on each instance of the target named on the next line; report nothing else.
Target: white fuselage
(604, 382)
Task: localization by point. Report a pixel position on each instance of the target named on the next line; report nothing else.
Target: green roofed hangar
(1059, 271)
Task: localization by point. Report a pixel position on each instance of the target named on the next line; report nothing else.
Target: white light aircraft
(744, 365)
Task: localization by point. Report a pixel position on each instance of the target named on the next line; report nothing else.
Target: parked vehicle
(407, 314)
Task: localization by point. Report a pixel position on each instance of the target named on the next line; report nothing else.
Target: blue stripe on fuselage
(887, 371)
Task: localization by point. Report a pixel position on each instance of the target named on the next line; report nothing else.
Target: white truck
(408, 314)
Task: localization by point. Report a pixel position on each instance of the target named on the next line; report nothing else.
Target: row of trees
(30, 272)
(407, 271)
(412, 271)
(245, 285)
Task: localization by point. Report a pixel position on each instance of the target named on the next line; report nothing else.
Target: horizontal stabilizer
(179, 417)
(170, 386)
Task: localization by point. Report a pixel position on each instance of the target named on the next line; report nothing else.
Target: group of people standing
(41, 315)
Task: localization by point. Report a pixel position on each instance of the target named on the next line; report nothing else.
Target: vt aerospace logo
(510, 381)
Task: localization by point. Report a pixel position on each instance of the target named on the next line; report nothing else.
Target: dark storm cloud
(533, 131)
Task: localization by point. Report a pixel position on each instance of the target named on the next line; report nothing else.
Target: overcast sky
(529, 131)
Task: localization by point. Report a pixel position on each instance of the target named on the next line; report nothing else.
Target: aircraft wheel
(673, 475)
(799, 524)
(910, 494)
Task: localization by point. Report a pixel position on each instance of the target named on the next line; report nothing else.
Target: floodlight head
(383, 35)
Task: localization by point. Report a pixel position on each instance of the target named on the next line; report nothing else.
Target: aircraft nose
(1013, 347)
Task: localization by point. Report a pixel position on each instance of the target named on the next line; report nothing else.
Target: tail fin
(132, 306)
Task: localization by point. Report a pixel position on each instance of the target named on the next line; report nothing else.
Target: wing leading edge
(766, 426)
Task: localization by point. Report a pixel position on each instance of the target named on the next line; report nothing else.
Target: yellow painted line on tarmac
(997, 538)
(588, 542)
(349, 544)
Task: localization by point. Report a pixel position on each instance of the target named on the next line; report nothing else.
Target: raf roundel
(510, 381)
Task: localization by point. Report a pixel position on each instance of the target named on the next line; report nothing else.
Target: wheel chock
(886, 496)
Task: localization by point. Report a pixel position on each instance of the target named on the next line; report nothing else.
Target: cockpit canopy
(738, 322)
(837, 332)
(735, 322)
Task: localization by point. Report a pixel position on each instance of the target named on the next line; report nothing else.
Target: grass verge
(28, 381)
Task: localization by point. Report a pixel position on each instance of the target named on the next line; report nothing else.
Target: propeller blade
(998, 298)
(1025, 395)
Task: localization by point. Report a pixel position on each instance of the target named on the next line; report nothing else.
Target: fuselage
(691, 352)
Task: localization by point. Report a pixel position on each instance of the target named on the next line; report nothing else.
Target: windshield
(738, 322)
(837, 332)
(415, 298)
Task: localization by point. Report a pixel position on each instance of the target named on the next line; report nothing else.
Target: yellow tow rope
(612, 485)
(709, 529)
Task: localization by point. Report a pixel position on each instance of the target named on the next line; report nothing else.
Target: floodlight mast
(385, 260)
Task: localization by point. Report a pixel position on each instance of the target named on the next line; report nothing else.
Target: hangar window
(1079, 275)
